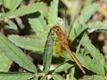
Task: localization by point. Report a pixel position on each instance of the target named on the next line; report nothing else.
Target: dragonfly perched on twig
(62, 38)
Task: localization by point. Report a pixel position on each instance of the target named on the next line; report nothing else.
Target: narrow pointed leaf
(26, 43)
(15, 54)
(11, 25)
(72, 72)
(52, 16)
(57, 77)
(11, 5)
(91, 64)
(47, 55)
(63, 67)
(86, 42)
(31, 8)
(15, 76)
(96, 26)
(80, 23)
(39, 26)
(76, 30)
(44, 78)
(87, 12)
(35, 78)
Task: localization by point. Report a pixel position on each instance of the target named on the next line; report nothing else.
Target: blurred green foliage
(77, 18)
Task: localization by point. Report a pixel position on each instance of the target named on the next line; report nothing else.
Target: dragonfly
(63, 40)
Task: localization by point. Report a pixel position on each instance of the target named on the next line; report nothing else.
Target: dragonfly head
(56, 29)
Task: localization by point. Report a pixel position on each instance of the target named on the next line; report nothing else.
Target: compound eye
(58, 30)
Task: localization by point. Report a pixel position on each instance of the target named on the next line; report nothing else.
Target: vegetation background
(29, 51)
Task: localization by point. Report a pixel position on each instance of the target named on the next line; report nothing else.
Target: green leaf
(80, 24)
(57, 77)
(86, 42)
(16, 54)
(31, 8)
(11, 25)
(15, 76)
(91, 64)
(53, 12)
(44, 78)
(91, 27)
(47, 55)
(105, 1)
(5, 63)
(87, 2)
(26, 43)
(87, 12)
(11, 5)
(35, 78)
(76, 30)
(106, 66)
(96, 26)
(72, 72)
(105, 47)
(93, 77)
(63, 67)
(1, 2)
(39, 26)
